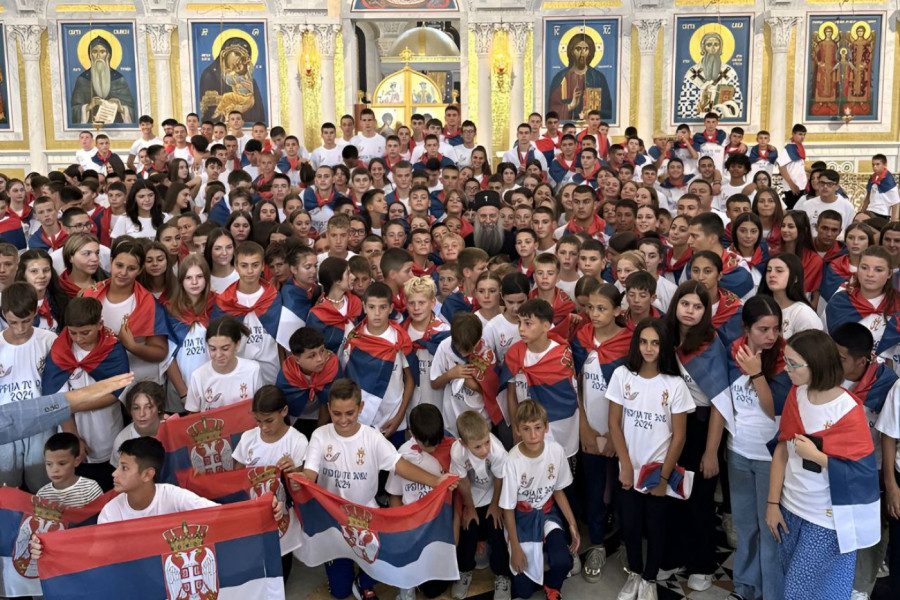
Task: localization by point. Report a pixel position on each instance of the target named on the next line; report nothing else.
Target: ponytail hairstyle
(227, 326)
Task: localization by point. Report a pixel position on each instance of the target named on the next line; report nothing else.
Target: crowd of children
(597, 338)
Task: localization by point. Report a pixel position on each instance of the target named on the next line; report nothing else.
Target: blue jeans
(757, 568)
(595, 468)
(341, 573)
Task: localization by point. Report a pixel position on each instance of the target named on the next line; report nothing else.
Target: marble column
(648, 34)
(291, 37)
(484, 35)
(30, 46)
(326, 36)
(161, 46)
(518, 36)
(780, 29)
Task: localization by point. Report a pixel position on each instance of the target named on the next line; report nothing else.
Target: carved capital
(648, 34)
(781, 29)
(518, 35)
(29, 40)
(484, 35)
(291, 36)
(326, 36)
(160, 38)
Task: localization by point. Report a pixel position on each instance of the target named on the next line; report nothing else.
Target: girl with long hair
(143, 213)
(36, 268)
(81, 257)
(767, 206)
(219, 255)
(784, 282)
(797, 239)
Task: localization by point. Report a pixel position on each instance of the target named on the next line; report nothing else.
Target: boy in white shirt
(536, 474)
(479, 459)
(23, 352)
(426, 332)
(331, 461)
(60, 459)
(146, 140)
(455, 374)
(367, 141)
(376, 354)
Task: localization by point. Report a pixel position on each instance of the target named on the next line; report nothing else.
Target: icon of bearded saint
(101, 83)
(710, 85)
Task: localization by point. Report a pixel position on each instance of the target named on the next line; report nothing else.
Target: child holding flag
(534, 506)
(823, 504)
(647, 424)
(345, 458)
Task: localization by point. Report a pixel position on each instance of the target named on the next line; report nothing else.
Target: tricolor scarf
(795, 151)
(630, 323)
(298, 299)
(549, 381)
(812, 271)
(70, 288)
(611, 353)
(371, 357)
(872, 388)
(774, 239)
(849, 306)
(106, 359)
(180, 324)
(267, 308)
(835, 274)
(883, 183)
(676, 266)
(779, 382)
(596, 229)
(303, 390)
(837, 250)
(727, 318)
(734, 276)
(41, 241)
(431, 338)
(758, 154)
(852, 473)
(563, 306)
(11, 231)
(45, 311)
(708, 367)
(328, 319)
(148, 317)
(457, 302)
(679, 485)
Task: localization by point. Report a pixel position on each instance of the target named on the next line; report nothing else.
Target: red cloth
(229, 304)
(62, 355)
(314, 383)
(141, 321)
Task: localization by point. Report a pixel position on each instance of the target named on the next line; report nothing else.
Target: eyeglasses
(357, 231)
(80, 226)
(793, 366)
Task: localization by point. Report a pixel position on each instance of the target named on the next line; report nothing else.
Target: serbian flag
(39, 240)
(850, 307)
(727, 318)
(549, 384)
(736, 275)
(107, 359)
(835, 274)
(227, 552)
(872, 388)
(296, 303)
(485, 361)
(708, 367)
(457, 302)
(203, 442)
(852, 473)
(402, 546)
(11, 231)
(21, 515)
(229, 487)
(331, 322)
(305, 393)
(681, 482)
(563, 307)
(812, 271)
(674, 268)
(148, 317)
(532, 525)
(610, 353)
(267, 309)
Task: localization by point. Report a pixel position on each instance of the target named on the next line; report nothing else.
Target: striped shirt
(83, 491)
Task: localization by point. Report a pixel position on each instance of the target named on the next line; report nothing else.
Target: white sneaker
(664, 574)
(576, 565)
(730, 531)
(460, 588)
(406, 594)
(502, 588)
(647, 590)
(700, 583)
(857, 595)
(629, 591)
(593, 564)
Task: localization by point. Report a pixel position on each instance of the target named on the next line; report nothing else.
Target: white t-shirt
(481, 471)
(140, 143)
(369, 147)
(220, 284)
(97, 427)
(808, 494)
(129, 433)
(457, 398)
(795, 168)
(410, 491)
(647, 409)
(424, 393)
(325, 156)
(349, 466)
(193, 353)
(82, 492)
(59, 265)
(127, 227)
(813, 207)
(260, 346)
(533, 480)
(753, 428)
(252, 451)
(500, 335)
(665, 291)
(889, 419)
(208, 389)
(114, 314)
(378, 411)
(798, 317)
(21, 366)
(167, 500)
